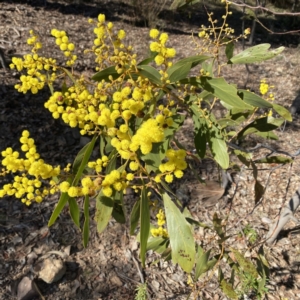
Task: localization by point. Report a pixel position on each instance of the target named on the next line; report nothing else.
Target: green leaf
(274, 160)
(239, 115)
(154, 158)
(149, 72)
(244, 157)
(218, 227)
(263, 270)
(145, 224)
(182, 4)
(181, 68)
(201, 262)
(224, 91)
(70, 75)
(267, 135)
(225, 122)
(112, 161)
(254, 99)
(106, 73)
(211, 134)
(180, 73)
(254, 54)
(82, 159)
(108, 147)
(64, 88)
(148, 60)
(157, 244)
(197, 223)
(134, 217)
(104, 208)
(283, 112)
(229, 50)
(50, 85)
(86, 224)
(245, 264)
(208, 66)
(74, 211)
(206, 96)
(264, 124)
(102, 145)
(200, 130)
(228, 290)
(167, 254)
(181, 237)
(118, 212)
(219, 151)
(64, 197)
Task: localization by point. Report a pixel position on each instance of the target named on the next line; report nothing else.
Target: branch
(266, 9)
(271, 12)
(272, 32)
(259, 146)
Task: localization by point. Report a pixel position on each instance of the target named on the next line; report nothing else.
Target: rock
(115, 280)
(26, 289)
(52, 270)
(155, 285)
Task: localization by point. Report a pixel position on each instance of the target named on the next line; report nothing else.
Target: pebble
(115, 280)
(155, 285)
(26, 289)
(52, 270)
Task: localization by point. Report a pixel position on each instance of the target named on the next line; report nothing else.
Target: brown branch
(265, 9)
(272, 32)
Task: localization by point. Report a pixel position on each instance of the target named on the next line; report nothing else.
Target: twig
(273, 32)
(255, 8)
(286, 213)
(140, 273)
(265, 9)
(18, 33)
(259, 146)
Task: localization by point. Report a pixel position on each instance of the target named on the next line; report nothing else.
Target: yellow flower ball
(73, 191)
(101, 18)
(169, 178)
(153, 33)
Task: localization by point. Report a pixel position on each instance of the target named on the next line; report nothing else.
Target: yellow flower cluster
(104, 107)
(161, 220)
(62, 40)
(32, 169)
(33, 40)
(37, 68)
(88, 187)
(264, 87)
(98, 164)
(159, 46)
(118, 54)
(175, 165)
(203, 34)
(36, 79)
(164, 118)
(114, 181)
(150, 132)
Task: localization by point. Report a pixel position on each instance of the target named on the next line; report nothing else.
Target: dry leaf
(209, 193)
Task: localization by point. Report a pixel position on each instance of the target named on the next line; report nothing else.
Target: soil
(109, 267)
